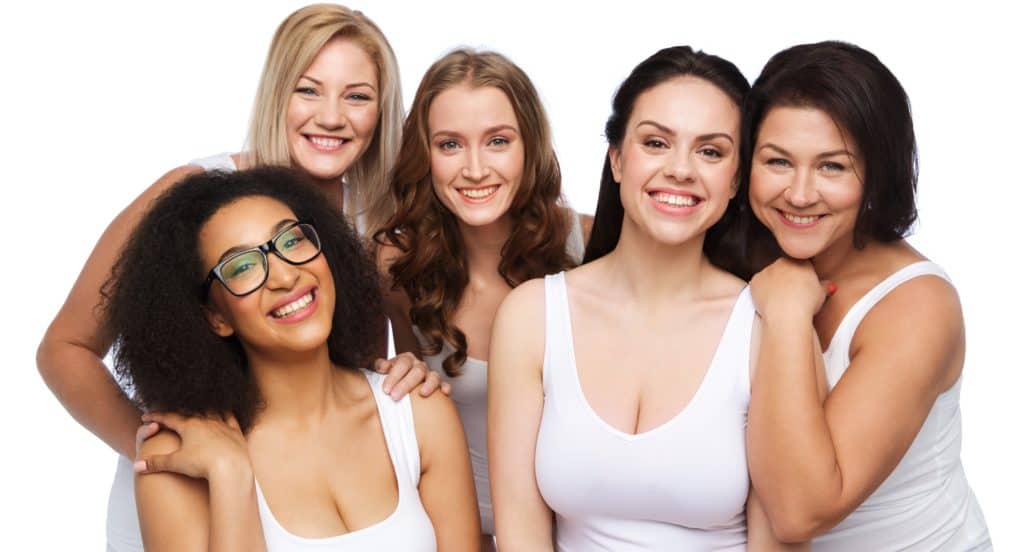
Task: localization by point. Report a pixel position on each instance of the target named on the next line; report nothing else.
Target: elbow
(797, 526)
(44, 358)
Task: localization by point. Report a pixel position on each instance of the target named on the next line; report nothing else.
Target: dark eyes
(710, 152)
(655, 143)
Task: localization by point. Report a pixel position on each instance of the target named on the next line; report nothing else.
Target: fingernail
(387, 389)
(832, 288)
(139, 466)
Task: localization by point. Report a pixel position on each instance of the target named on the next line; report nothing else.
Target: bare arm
(760, 537)
(808, 458)
(182, 513)
(446, 478)
(515, 402)
(70, 356)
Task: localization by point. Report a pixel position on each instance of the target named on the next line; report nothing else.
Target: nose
(802, 191)
(280, 275)
(332, 115)
(476, 168)
(679, 167)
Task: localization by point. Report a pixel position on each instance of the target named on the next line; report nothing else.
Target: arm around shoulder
(69, 357)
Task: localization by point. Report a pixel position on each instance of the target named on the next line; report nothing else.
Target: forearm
(234, 513)
(84, 386)
(793, 461)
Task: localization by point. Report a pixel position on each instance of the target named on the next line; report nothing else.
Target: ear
(735, 185)
(615, 159)
(217, 322)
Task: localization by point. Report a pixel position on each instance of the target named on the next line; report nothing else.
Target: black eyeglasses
(244, 272)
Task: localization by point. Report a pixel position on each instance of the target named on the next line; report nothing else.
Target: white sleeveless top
(680, 486)
(925, 503)
(407, 528)
(469, 392)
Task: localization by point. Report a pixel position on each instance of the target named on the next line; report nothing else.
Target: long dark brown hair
(723, 239)
(432, 265)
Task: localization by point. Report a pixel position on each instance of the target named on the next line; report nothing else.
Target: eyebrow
(819, 156)
(347, 86)
(239, 248)
(701, 138)
(489, 130)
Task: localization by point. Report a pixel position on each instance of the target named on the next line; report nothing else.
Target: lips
(295, 306)
(326, 143)
(799, 221)
(478, 193)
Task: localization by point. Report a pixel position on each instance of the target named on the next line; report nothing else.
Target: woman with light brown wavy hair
(479, 210)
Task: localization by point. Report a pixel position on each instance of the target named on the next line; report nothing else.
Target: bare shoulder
(917, 327)
(925, 305)
(439, 431)
(525, 300)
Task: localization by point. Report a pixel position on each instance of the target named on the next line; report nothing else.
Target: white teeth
(326, 142)
(293, 306)
(801, 220)
(674, 199)
(477, 193)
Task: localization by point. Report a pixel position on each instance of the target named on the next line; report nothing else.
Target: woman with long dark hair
(618, 392)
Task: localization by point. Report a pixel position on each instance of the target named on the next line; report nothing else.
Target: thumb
(160, 463)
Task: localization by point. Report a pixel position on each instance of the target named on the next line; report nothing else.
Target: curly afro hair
(153, 301)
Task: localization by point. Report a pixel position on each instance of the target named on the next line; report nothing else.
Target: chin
(798, 250)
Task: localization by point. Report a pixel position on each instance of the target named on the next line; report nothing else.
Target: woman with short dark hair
(829, 164)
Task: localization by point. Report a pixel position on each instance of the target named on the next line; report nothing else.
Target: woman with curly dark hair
(244, 308)
(478, 211)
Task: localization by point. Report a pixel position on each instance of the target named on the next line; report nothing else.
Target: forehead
(464, 108)
(246, 222)
(799, 129)
(344, 61)
(687, 104)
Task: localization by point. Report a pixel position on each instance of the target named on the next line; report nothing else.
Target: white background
(99, 100)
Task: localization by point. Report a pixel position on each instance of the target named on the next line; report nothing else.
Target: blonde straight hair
(296, 42)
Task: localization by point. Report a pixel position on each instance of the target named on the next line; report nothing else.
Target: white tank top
(407, 528)
(469, 392)
(925, 503)
(680, 486)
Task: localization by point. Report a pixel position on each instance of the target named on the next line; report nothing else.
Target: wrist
(231, 469)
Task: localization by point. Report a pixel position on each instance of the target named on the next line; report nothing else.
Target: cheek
(365, 121)
(296, 114)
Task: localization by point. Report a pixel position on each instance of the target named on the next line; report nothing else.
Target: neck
(839, 259)
(653, 272)
(296, 386)
(334, 189)
(483, 245)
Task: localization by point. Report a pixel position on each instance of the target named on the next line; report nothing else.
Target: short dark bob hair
(868, 104)
(664, 65)
(165, 348)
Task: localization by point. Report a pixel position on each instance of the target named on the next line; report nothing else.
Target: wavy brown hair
(431, 267)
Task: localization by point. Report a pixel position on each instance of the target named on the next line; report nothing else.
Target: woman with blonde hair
(479, 210)
(329, 103)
